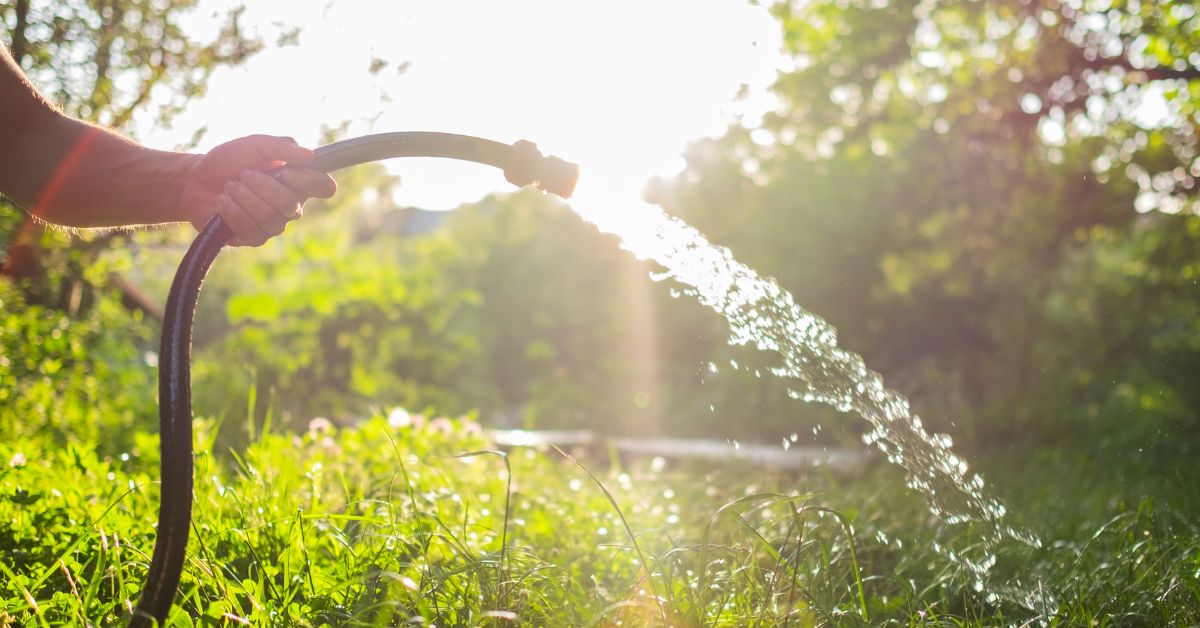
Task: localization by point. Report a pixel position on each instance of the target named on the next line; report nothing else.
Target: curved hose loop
(522, 165)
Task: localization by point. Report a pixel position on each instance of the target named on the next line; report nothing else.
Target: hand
(233, 180)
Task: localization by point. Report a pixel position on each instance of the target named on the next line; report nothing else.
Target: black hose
(522, 165)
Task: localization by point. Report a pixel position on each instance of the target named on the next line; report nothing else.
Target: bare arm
(74, 174)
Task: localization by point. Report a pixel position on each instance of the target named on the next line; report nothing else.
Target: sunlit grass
(399, 524)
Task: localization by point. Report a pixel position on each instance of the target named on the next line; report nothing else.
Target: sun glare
(620, 86)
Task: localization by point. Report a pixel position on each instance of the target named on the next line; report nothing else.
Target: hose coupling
(549, 174)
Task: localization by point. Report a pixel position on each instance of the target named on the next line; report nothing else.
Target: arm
(74, 174)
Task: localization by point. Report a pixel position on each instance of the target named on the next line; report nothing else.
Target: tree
(1062, 72)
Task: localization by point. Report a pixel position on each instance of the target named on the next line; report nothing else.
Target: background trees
(993, 201)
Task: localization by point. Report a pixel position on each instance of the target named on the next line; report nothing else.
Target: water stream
(765, 316)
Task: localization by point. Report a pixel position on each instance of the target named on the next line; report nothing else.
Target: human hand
(232, 180)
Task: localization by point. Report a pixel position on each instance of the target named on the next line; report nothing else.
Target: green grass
(379, 525)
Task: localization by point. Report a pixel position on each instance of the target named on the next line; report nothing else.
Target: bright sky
(620, 84)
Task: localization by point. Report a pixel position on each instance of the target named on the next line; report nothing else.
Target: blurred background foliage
(75, 346)
(994, 202)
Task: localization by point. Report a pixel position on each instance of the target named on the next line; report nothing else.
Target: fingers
(260, 218)
(308, 183)
(245, 230)
(282, 201)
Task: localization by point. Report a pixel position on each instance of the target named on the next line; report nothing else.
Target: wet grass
(411, 525)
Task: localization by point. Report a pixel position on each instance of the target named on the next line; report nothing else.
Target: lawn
(423, 523)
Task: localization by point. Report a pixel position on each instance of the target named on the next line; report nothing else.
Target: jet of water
(763, 315)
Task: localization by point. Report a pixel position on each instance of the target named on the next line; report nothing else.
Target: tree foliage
(103, 60)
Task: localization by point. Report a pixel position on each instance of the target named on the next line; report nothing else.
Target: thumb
(272, 148)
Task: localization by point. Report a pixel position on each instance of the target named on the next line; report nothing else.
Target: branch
(1168, 74)
(122, 117)
(19, 43)
(102, 88)
(133, 298)
(1189, 73)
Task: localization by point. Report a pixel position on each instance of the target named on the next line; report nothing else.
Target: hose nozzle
(549, 174)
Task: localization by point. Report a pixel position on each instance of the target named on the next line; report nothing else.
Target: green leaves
(262, 307)
(70, 379)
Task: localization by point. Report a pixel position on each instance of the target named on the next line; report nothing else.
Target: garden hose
(522, 165)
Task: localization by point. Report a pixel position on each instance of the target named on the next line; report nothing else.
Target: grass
(426, 524)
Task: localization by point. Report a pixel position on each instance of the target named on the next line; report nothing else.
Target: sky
(620, 85)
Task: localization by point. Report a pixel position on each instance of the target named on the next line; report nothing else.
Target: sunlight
(621, 85)
(826, 266)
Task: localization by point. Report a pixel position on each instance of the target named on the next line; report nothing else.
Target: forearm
(95, 178)
(71, 173)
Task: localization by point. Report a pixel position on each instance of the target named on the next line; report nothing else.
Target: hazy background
(994, 203)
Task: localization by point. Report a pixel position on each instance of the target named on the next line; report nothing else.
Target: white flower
(399, 417)
(319, 425)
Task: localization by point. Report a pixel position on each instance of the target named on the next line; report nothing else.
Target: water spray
(522, 164)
